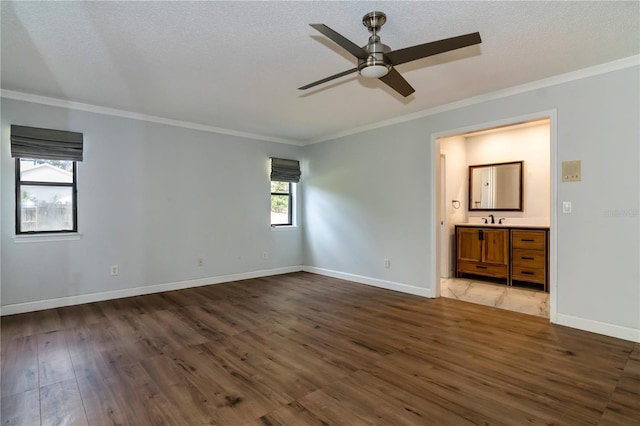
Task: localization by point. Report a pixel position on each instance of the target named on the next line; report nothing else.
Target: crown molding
(45, 100)
(607, 67)
(616, 65)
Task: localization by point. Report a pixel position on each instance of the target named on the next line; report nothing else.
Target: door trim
(434, 244)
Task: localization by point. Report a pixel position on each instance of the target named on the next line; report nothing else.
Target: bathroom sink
(502, 225)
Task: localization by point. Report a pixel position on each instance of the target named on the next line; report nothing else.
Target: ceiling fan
(377, 60)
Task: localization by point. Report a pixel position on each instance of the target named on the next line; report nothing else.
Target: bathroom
(527, 142)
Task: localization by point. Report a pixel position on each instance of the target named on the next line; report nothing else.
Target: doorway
(482, 144)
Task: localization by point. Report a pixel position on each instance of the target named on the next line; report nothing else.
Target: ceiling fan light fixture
(374, 71)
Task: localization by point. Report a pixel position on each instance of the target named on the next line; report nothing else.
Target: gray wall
(367, 198)
(152, 199)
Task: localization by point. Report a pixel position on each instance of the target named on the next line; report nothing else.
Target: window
(284, 174)
(45, 196)
(46, 188)
(281, 203)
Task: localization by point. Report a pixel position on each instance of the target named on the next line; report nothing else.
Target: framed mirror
(496, 186)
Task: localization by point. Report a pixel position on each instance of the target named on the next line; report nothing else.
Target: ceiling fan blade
(412, 53)
(324, 80)
(345, 43)
(397, 82)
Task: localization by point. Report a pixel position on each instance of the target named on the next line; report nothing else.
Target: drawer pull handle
(481, 267)
(526, 258)
(527, 273)
(527, 240)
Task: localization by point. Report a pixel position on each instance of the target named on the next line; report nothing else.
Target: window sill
(41, 238)
(284, 228)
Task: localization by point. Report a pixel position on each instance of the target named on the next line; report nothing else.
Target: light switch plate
(566, 207)
(571, 171)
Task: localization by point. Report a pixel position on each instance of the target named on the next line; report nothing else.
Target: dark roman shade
(32, 142)
(285, 170)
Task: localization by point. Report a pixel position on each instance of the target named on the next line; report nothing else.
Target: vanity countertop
(503, 225)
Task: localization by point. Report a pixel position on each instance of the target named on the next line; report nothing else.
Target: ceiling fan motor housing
(376, 56)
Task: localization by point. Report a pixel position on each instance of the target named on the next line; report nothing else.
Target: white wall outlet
(114, 270)
(200, 262)
(265, 255)
(387, 263)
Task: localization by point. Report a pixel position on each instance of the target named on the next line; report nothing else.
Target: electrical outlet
(387, 263)
(200, 261)
(265, 255)
(114, 270)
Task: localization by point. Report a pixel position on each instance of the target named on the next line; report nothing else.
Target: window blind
(33, 142)
(285, 170)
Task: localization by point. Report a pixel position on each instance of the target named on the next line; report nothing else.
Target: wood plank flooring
(300, 349)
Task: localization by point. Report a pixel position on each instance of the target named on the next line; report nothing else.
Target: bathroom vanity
(513, 253)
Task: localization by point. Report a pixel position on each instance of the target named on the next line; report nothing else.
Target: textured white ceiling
(237, 65)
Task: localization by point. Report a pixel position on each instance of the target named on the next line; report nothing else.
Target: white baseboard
(39, 305)
(625, 333)
(620, 332)
(389, 285)
(592, 326)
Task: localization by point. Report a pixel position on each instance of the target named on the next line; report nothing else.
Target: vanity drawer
(528, 274)
(498, 271)
(534, 240)
(529, 258)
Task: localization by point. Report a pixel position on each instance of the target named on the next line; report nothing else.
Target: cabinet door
(469, 245)
(496, 246)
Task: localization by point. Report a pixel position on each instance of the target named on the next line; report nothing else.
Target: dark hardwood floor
(302, 349)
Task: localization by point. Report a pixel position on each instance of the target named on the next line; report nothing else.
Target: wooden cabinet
(529, 256)
(482, 251)
(514, 254)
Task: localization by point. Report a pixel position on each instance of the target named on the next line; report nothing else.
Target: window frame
(74, 197)
(290, 209)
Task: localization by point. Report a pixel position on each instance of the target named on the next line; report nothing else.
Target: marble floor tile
(522, 300)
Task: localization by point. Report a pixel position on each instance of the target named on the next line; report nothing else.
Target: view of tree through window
(45, 195)
(281, 203)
